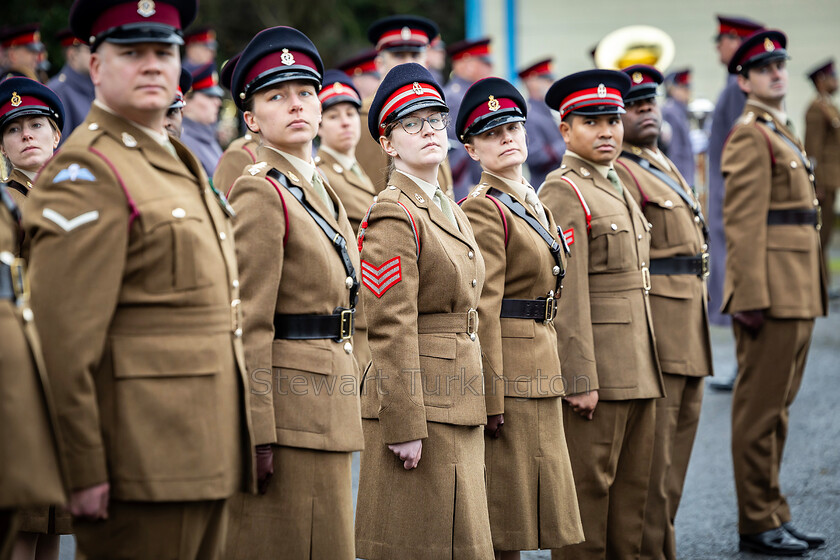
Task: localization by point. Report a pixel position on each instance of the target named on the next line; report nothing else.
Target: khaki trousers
(162, 531)
(611, 461)
(827, 206)
(770, 366)
(677, 417)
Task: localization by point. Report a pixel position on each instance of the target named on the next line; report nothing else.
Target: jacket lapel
(421, 200)
(348, 175)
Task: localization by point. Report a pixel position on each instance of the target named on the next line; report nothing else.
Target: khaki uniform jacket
(356, 194)
(374, 160)
(19, 187)
(604, 325)
(822, 141)
(29, 469)
(241, 153)
(135, 288)
(678, 302)
(775, 268)
(425, 366)
(519, 355)
(304, 393)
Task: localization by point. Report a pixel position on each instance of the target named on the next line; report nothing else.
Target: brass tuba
(635, 44)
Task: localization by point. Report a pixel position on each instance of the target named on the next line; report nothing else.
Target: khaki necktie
(356, 169)
(613, 177)
(318, 185)
(443, 202)
(533, 200)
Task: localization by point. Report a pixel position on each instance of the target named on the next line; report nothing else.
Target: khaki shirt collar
(161, 138)
(343, 160)
(659, 157)
(306, 169)
(425, 186)
(519, 189)
(780, 116)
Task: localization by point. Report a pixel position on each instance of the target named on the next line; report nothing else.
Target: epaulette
(257, 168)
(389, 195)
(747, 118)
(483, 189)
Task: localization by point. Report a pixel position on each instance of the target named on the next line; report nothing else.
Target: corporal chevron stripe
(380, 279)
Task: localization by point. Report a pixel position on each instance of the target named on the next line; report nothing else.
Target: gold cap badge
(287, 58)
(338, 88)
(405, 33)
(417, 88)
(637, 77)
(493, 104)
(768, 45)
(146, 8)
(602, 90)
(16, 100)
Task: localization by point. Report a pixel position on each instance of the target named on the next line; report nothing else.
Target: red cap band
(601, 95)
(208, 36)
(124, 14)
(18, 101)
(539, 70)
(205, 83)
(337, 89)
(768, 45)
(492, 105)
(25, 39)
(280, 60)
(404, 95)
(71, 42)
(402, 36)
(729, 29)
(478, 50)
(366, 67)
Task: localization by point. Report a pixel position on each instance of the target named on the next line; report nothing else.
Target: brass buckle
(550, 308)
(472, 321)
(20, 281)
(646, 278)
(348, 322)
(704, 265)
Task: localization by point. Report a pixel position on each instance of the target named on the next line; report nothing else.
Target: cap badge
(146, 8)
(405, 33)
(16, 100)
(637, 77)
(493, 104)
(129, 140)
(417, 88)
(338, 88)
(636, 150)
(602, 90)
(768, 45)
(287, 58)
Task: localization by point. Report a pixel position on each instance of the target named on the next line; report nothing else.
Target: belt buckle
(348, 322)
(704, 265)
(646, 278)
(550, 308)
(20, 281)
(472, 322)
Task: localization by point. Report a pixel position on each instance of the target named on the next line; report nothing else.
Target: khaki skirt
(437, 511)
(530, 487)
(46, 520)
(307, 512)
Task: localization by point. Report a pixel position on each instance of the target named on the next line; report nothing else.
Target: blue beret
(22, 97)
(405, 89)
(489, 103)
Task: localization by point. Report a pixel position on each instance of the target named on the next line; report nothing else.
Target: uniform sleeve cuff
(401, 426)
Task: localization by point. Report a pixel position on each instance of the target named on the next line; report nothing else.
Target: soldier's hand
(409, 452)
(265, 466)
(494, 425)
(584, 403)
(750, 320)
(91, 502)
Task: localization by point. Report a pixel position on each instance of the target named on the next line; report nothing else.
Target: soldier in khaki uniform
(530, 486)
(340, 132)
(31, 118)
(240, 153)
(299, 266)
(605, 336)
(421, 485)
(31, 463)
(398, 39)
(775, 287)
(678, 267)
(822, 142)
(135, 285)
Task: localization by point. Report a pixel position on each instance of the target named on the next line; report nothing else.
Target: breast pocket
(437, 362)
(172, 236)
(611, 247)
(670, 223)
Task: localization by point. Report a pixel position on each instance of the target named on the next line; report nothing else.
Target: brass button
(472, 337)
(696, 219)
(179, 213)
(28, 315)
(237, 333)
(392, 187)
(816, 202)
(471, 255)
(811, 177)
(668, 204)
(556, 270)
(705, 247)
(613, 227)
(793, 165)
(348, 282)
(640, 237)
(348, 348)
(474, 282)
(222, 235)
(235, 283)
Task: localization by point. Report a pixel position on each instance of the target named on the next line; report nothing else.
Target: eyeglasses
(413, 125)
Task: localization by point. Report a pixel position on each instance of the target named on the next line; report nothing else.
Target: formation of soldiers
(195, 341)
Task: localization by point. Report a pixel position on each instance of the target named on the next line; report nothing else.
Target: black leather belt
(697, 265)
(6, 289)
(796, 217)
(541, 309)
(339, 326)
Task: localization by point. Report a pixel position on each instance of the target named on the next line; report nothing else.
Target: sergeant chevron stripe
(380, 279)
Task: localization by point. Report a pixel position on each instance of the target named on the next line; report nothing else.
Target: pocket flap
(517, 328)
(165, 356)
(609, 225)
(302, 355)
(437, 345)
(610, 310)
